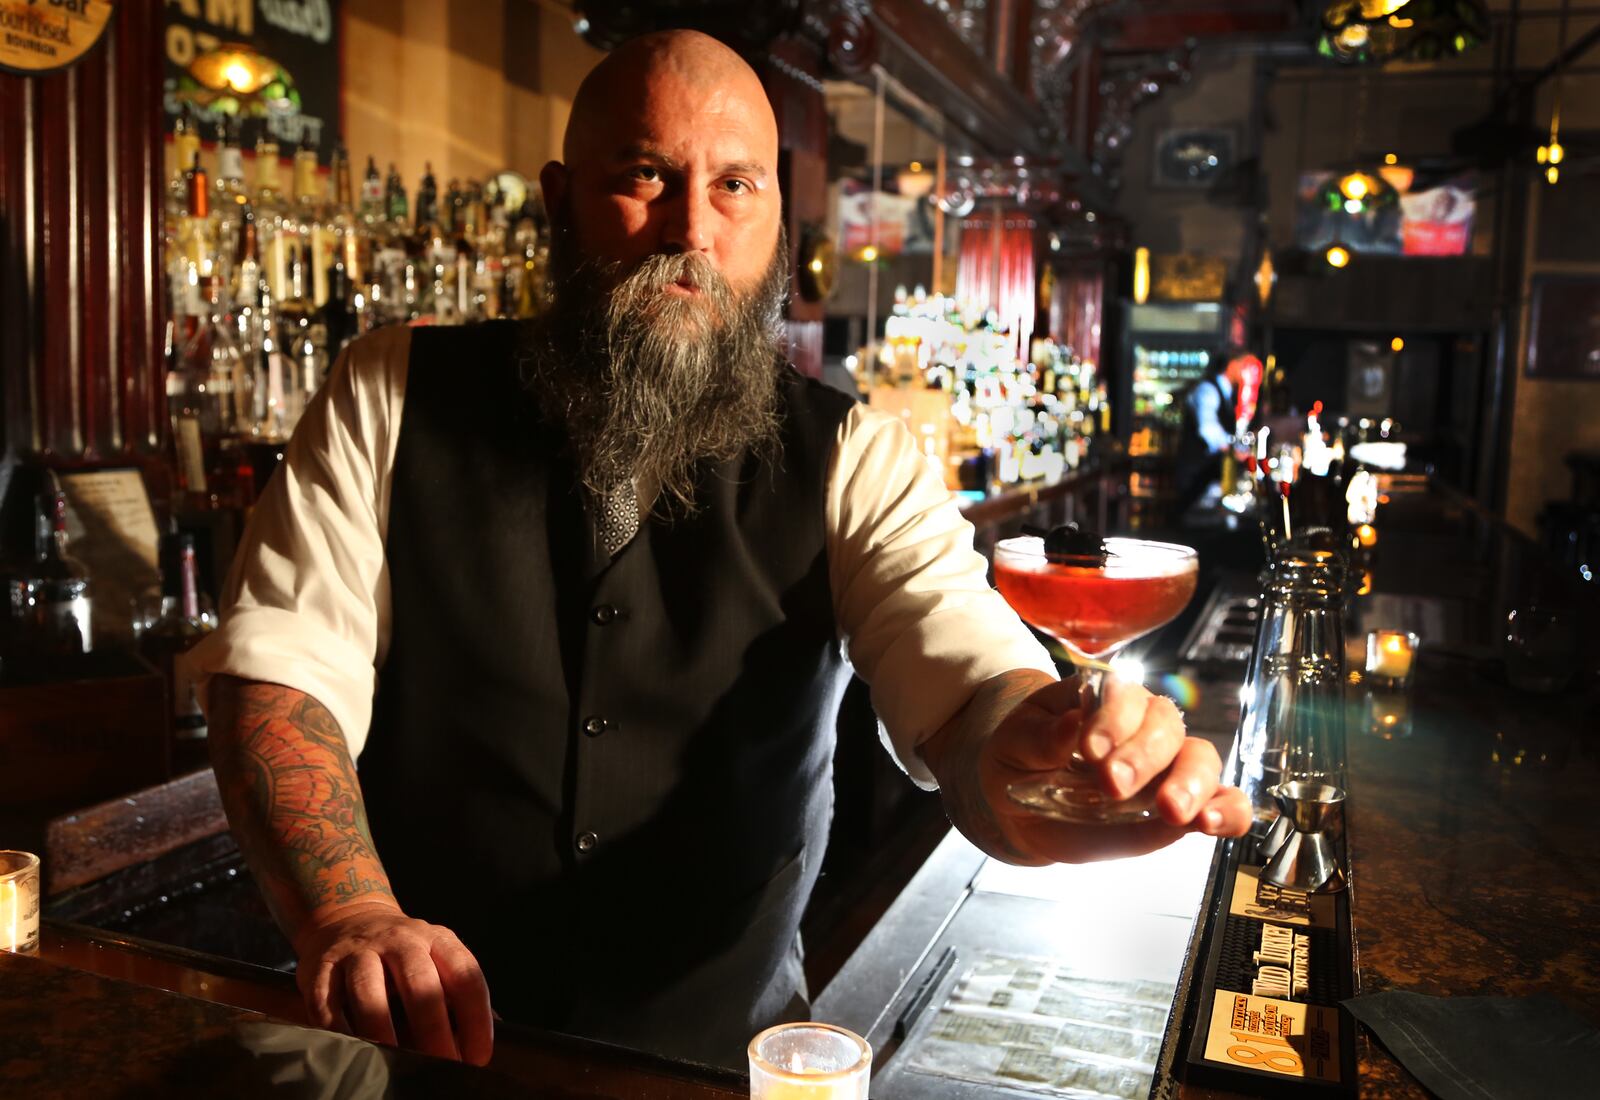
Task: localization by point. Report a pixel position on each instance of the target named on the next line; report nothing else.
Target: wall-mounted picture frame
(1564, 328)
(1193, 157)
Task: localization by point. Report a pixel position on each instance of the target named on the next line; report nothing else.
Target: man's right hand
(351, 958)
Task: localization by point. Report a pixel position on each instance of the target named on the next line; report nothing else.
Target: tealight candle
(19, 902)
(1388, 714)
(1390, 654)
(809, 1061)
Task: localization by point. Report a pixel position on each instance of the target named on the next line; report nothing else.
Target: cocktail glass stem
(1075, 793)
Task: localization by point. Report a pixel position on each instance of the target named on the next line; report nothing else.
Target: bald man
(578, 596)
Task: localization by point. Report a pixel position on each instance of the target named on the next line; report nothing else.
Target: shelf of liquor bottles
(266, 283)
(987, 417)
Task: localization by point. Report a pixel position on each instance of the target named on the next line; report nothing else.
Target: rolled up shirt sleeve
(911, 595)
(306, 604)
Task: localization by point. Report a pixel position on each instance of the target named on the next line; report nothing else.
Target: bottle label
(230, 163)
(191, 455)
(324, 244)
(189, 720)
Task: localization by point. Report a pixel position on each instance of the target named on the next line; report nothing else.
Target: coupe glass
(1093, 610)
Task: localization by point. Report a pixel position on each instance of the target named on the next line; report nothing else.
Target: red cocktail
(1093, 606)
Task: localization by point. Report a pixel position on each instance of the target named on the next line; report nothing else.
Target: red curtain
(995, 269)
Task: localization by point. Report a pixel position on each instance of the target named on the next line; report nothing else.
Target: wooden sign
(43, 36)
(1187, 277)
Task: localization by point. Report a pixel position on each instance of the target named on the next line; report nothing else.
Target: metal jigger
(1307, 861)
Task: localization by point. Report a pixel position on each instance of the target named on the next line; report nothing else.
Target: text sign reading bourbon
(41, 36)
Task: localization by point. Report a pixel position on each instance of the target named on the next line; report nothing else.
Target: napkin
(1484, 1048)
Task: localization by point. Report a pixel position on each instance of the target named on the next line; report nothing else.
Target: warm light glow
(816, 266)
(1552, 174)
(1141, 276)
(1127, 669)
(1366, 583)
(1337, 256)
(869, 254)
(1400, 24)
(237, 76)
(1355, 186)
(1352, 206)
(1397, 177)
(1354, 36)
(1397, 344)
(1367, 535)
(1556, 153)
(1391, 159)
(915, 166)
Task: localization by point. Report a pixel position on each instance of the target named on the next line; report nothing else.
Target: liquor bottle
(196, 246)
(228, 194)
(186, 154)
(394, 199)
(372, 212)
(302, 338)
(178, 630)
(427, 197)
(341, 218)
(338, 314)
(253, 321)
(274, 226)
(208, 396)
(310, 215)
(452, 214)
(51, 602)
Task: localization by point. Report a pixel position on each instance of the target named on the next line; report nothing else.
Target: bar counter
(1475, 870)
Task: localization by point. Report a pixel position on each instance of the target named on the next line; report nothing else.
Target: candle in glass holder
(809, 1061)
(1388, 714)
(19, 902)
(1390, 654)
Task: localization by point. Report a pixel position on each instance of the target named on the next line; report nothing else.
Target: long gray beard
(653, 386)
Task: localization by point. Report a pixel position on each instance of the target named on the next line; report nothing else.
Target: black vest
(613, 780)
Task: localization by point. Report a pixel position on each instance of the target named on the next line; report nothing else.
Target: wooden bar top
(98, 1015)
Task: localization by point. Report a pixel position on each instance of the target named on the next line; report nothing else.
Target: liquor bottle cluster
(1004, 420)
(268, 284)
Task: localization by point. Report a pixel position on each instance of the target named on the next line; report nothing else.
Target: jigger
(1307, 862)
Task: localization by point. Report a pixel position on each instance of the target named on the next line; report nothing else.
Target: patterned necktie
(619, 517)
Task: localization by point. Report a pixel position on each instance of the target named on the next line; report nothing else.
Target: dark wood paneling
(80, 274)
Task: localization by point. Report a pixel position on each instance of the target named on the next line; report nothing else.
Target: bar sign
(1273, 1036)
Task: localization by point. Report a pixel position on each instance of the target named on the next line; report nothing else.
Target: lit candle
(808, 1061)
(1389, 655)
(19, 902)
(1367, 536)
(1388, 714)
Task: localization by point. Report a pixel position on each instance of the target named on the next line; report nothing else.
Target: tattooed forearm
(955, 756)
(291, 794)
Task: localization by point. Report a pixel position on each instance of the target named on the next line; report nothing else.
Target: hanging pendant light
(1551, 154)
(1376, 31)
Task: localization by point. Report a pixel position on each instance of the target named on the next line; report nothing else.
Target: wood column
(81, 296)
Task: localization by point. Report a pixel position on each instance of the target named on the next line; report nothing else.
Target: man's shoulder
(813, 397)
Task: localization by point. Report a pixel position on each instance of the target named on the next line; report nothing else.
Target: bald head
(683, 69)
(671, 147)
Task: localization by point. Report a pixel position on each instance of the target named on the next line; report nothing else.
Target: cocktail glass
(1093, 609)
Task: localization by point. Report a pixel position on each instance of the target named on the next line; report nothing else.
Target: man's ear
(553, 179)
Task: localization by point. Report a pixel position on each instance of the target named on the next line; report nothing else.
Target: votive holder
(19, 902)
(1391, 656)
(1388, 713)
(809, 1061)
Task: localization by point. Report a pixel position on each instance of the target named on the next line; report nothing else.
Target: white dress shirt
(307, 602)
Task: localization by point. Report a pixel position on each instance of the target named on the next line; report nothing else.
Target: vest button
(595, 726)
(604, 615)
(586, 841)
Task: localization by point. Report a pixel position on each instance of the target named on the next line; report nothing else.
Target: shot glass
(809, 1061)
(19, 902)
